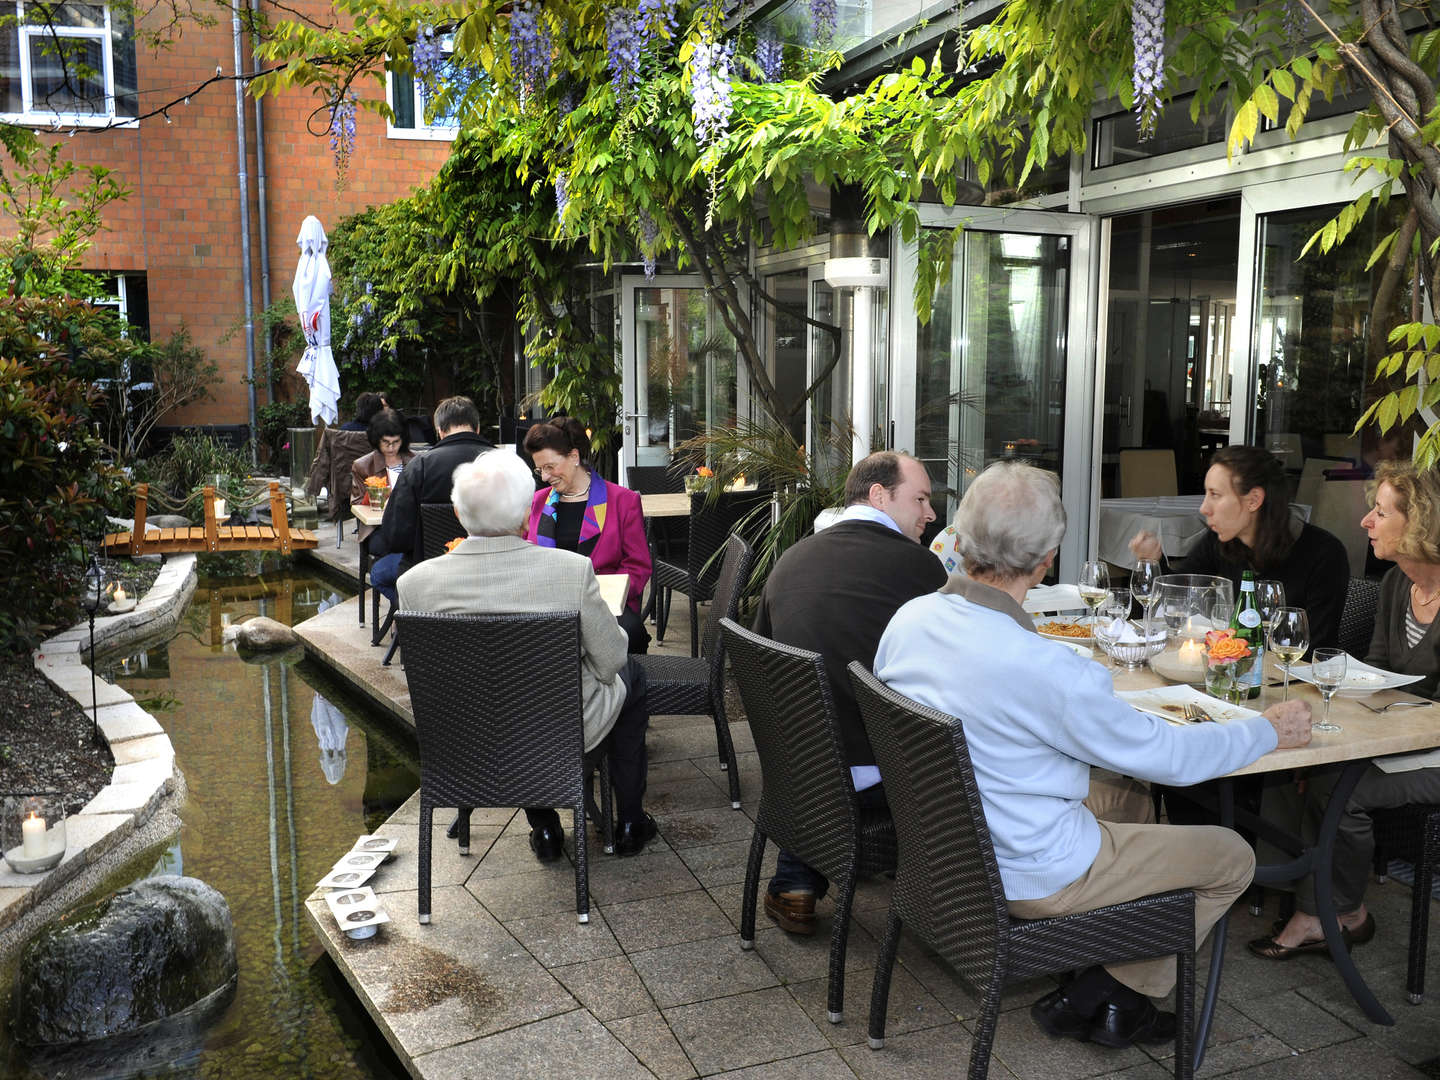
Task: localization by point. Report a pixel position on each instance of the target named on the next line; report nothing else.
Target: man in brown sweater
(834, 593)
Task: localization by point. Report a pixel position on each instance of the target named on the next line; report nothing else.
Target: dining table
(1363, 735)
(665, 504)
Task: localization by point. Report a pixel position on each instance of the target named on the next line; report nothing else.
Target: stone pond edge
(144, 758)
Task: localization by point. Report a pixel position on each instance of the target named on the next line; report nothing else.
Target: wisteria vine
(628, 32)
(648, 232)
(823, 17)
(428, 57)
(1292, 22)
(1148, 31)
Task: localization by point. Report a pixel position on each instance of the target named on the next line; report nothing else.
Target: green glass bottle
(1246, 624)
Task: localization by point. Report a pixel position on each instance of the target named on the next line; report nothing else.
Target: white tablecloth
(1174, 518)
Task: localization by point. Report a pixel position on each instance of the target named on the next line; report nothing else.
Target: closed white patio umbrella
(312, 303)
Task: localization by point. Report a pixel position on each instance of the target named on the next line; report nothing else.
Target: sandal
(1271, 949)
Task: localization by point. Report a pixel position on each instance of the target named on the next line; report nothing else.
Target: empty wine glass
(1289, 638)
(1144, 587)
(1114, 611)
(1094, 586)
(1269, 598)
(1327, 669)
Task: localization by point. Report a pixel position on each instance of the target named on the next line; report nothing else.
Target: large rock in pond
(261, 635)
(166, 521)
(144, 954)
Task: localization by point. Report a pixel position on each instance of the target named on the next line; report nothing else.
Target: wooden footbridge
(212, 537)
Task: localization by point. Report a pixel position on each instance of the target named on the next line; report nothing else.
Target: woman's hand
(1145, 545)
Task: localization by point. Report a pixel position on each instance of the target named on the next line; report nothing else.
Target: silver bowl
(1131, 654)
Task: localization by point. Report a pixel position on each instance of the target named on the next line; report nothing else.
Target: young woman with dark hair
(582, 512)
(1251, 528)
(388, 435)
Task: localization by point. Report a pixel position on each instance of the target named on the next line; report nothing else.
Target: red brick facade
(181, 224)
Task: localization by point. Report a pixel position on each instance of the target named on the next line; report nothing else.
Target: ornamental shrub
(55, 482)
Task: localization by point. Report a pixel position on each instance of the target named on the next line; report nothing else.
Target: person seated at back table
(833, 593)
(1037, 718)
(392, 453)
(493, 572)
(602, 521)
(1251, 528)
(425, 480)
(1404, 526)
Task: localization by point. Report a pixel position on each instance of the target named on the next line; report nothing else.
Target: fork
(1194, 714)
(1394, 705)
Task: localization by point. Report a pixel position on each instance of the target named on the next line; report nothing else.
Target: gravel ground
(46, 739)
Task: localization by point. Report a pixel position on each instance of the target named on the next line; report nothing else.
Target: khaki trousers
(1137, 858)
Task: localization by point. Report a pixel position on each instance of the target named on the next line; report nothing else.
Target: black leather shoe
(1118, 1027)
(1056, 1016)
(548, 842)
(634, 835)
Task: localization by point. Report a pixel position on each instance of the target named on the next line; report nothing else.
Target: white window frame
(31, 114)
(423, 130)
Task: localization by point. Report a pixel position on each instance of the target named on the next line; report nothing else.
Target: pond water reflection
(283, 773)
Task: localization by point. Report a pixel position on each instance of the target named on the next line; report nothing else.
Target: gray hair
(1009, 520)
(492, 494)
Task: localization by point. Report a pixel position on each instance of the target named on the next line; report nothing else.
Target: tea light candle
(119, 593)
(1192, 654)
(32, 832)
(221, 512)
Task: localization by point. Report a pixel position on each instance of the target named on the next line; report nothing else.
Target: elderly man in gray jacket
(495, 571)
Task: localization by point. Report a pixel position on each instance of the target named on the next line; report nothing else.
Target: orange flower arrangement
(1224, 646)
(377, 481)
(705, 470)
(451, 545)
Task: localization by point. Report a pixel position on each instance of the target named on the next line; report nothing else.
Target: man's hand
(1145, 545)
(1291, 721)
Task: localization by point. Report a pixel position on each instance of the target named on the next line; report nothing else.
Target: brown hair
(1417, 496)
(881, 467)
(1251, 467)
(456, 413)
(560, 434)
(389, 422)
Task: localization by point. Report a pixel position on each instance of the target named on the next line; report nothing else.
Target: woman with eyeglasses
(387, 434)
(585, 513)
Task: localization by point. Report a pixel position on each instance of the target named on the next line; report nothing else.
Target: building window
(69, 64)
(429, 113)
(128, 295)
(1117, 139)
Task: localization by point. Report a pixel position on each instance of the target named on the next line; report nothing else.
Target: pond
(283, 773)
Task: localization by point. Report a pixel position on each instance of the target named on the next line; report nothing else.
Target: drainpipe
(263, 203)
(244, 176)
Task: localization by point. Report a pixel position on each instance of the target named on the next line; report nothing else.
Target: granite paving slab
(447, 865)
(650, 1039)
(666, 920)
(528, 1052)
(911, 1007)
(126, 721)
(940, 1053)
(609, 987)
(826, 1065)
(700, 970)
(743, 1029)
(721, 865)
(656, 871)
(515, 896)
(559, 939)
(696, 828)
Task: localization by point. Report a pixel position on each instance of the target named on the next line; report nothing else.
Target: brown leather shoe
(793, 912)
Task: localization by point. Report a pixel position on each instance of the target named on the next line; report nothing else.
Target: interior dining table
(1363, 735)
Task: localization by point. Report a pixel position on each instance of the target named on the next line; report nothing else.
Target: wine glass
(1269, 598)
(1094, 586)
(1327, 670)
(1144, 587)
(1115, 607)
(1222, 613)
(1289, 638)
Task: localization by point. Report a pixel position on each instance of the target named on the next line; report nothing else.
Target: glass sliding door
(1002, 369)
(680, 367)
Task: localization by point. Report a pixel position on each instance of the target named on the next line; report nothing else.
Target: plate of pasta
(1072, 628)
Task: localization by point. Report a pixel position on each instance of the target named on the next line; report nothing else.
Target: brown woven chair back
(438, 526)
(491, 730)
(807, 801)
(655, 479)
(947, 887)
(1357, 617)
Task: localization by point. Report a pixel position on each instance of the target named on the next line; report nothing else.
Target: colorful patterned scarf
(591, 522)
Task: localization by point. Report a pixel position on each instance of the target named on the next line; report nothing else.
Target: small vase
(377, 496)
(1226, 680)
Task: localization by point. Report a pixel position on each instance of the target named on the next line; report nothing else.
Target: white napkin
(1053, 598)
(1123, 632)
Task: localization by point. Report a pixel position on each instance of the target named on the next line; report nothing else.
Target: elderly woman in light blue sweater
(1037, 718)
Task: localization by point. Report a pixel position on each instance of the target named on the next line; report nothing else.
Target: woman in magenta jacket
(583, 513)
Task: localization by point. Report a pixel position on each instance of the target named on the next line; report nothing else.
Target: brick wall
(181, 223)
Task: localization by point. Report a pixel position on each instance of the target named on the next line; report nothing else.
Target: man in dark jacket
(834, 593)
(425, 480)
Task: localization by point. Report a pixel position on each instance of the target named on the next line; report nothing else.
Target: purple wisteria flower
(624, 38)
(710, 91)
(823, 17)
(1148, 30)
(648, 232)
(769, 55)
(428, 57)
(562, 197)
(342, 134)
(529, 48)
(1292, 23)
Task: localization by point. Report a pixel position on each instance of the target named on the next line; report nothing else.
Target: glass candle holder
(1186, 603)
(32, 831)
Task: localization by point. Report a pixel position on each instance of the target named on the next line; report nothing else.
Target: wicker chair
(695, 686)
(1357, 617)
(712, 520)
(807, 804)
(438, 526)
(948, 891)
(490, 733)
(1412, 833)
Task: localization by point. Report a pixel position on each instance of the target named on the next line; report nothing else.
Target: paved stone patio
(505, 983)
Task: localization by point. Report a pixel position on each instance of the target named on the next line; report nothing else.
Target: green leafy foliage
(178, 474)
(54, 480)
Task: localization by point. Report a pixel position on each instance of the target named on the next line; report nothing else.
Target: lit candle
(220, 511)
(1192, 654)
(119, 593)
(32, 833)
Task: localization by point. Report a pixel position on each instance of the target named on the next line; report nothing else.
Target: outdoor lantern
(32, 830)
(858, 261)
(94, 581)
